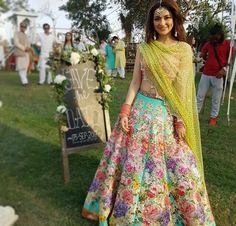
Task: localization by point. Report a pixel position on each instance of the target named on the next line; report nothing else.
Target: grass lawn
(30, 158)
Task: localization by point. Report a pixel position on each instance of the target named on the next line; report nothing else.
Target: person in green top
(110, 58)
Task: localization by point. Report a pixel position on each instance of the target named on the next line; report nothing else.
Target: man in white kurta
(21, 52)
(45, 41)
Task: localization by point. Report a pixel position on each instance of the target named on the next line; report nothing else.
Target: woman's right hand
(124, 123)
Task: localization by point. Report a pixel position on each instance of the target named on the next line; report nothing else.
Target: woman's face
(163, 21)
(68, 36)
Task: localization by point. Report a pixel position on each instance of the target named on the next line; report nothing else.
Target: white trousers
(217, 87)
(43, 68)
(22, 63)
(111, 72)
(121, 72)
(23, 76)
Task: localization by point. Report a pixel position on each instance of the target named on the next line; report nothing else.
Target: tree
(87, 16)
(127, 25)
(3, 6)
(204, 16)
(17, 5)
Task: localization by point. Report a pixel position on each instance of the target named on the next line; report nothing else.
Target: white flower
(94, 52)
(74, 58)
(59, 79)
(61, 109)
(0, 103)
(64, 128)
(100, 71)
(107, 88)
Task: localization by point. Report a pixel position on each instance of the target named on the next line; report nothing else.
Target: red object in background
(212, 121)
(11, 62)
(211, 66)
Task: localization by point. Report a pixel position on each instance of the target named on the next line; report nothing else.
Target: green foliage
(87, 16)
(59, 95)
(132, 15)
(202, 15)
(136, 11)
(54, 60)
(17, 5)
(201, 30)
(72, 56)
(194, 8)
(3, 6)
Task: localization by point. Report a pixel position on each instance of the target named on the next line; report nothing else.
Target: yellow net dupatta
(180, 93)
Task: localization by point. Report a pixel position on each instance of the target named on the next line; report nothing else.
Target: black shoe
(25, 84)
(40, 84)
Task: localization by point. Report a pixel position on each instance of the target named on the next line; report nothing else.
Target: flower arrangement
(74, 57)
(60, 83)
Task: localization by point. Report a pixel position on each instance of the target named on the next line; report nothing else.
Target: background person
(110, 58)
(120, 62)
(79, 45)
(45, 41)
(215, 52)
(21, 52)
(151, 172)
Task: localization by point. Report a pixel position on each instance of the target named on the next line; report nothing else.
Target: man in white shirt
(21, 52)
(46, 41)
(79, 45)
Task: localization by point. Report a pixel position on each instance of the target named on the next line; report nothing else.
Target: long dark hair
(178, 20)
(70, 40)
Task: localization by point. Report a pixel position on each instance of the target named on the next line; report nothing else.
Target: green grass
(30, 158)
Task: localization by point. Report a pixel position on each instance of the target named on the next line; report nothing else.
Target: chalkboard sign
(87, 121)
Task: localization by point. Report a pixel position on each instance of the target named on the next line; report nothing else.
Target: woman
(151, 172)
(110, 58)
(68, 47)
(68, 42)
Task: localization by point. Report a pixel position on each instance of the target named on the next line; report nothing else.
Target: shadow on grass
(31, 179)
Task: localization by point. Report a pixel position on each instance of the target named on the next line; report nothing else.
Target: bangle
(125, 110)
(179, 125)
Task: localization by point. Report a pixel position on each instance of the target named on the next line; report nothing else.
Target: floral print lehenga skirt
(146, 178)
